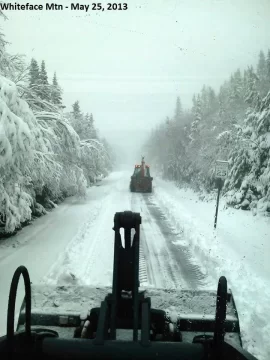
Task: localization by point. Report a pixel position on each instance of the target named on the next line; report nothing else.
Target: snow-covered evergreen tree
(34, 82)
(230, 125)
(195, 126)
(263, 84)
(56, 92)
(89, 131)
(37, 91)
(203, 101)
(76, 111)
(236, 87)
(41, 155)
(261, 67)
(251, 89)
(178, 110)
(33, 73)
(77, 119)
(268, 68)
(44, 87)
(25, 156)
(194, 105)
(11, 66)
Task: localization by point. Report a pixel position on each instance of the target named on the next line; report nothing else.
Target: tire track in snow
(158, 261)
(177, 247)
(160, 265)
(143, 278)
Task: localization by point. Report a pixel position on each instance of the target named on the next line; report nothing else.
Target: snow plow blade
(190, 313)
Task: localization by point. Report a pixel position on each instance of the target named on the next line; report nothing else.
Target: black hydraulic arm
(221, 308)
(126, 267)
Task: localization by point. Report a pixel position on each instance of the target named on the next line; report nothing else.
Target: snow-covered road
(89, 256)
(77, 238)
(167, 265)
(40, 245)
(179, 248)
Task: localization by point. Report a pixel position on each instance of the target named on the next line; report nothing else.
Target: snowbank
(238, 249)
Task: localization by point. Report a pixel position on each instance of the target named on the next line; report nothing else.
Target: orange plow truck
(141, 181)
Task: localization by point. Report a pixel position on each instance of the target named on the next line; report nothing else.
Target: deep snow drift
(239, 249)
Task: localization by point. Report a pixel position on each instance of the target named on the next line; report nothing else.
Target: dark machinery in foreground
(141, 181)
(124, 326)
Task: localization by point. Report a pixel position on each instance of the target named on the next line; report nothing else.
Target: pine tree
(215, 128)
(204, 100)
(55, 82)
(193, 108)
(251, 91)
(222, 109)
(245, 80)
(34, 82)
(268, 68)
(56, 92)
(89, 128)
(76, 111)
(43, 77)
(44, 88)
(263, 83)
(78, 120)
(197, 117)
(92, 127)
(212, 100)
(236, 87)
(261, 68)
(33, 73)
(178, 110)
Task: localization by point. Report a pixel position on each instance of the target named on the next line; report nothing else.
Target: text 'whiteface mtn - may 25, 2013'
(7, 6)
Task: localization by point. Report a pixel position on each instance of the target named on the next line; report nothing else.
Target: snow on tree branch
(44, 154)
(233, 125)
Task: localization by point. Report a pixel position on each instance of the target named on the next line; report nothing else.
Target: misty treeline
(233, 125)
(46, 153)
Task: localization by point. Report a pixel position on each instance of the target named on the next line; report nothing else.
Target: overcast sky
(128, 67)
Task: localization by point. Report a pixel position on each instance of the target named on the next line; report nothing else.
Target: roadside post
(221, 172)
